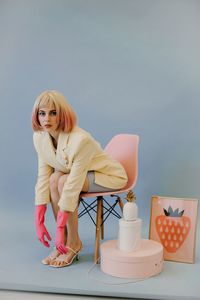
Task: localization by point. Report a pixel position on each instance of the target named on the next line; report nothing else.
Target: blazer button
(67, 170)
(65, 158)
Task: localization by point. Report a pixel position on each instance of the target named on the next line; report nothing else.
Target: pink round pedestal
(142, 263)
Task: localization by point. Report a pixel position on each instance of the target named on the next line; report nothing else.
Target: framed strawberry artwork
(173, 223)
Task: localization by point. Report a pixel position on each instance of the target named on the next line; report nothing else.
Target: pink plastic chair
(124, 148)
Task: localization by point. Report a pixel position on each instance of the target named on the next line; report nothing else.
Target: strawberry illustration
(172, 228)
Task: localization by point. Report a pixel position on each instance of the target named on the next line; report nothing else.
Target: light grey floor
(20, 267)
(13, 295)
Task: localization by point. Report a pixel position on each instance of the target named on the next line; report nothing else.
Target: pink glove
(62, 218)
(41, 231)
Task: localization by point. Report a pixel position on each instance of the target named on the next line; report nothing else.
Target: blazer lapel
(62, 142)
(48, 147)
(55, 157)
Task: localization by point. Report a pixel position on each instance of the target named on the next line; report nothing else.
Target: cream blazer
(77, 153)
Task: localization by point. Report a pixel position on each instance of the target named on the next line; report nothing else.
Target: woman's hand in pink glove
(41, 230)
(62, 218)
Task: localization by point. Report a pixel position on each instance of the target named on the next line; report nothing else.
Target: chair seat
(87, 195)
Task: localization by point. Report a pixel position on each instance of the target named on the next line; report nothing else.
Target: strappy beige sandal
(51, 257)
(62, 260)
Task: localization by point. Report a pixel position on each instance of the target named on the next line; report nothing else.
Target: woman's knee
(62, 179)
(53, 181)
(61, 182)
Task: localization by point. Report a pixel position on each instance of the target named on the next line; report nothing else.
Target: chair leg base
(98, 227)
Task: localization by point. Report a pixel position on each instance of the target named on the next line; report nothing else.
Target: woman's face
(48, 118)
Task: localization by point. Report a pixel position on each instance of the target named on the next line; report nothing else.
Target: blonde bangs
(47, 100)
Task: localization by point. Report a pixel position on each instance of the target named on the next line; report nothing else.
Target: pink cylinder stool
(144, 262)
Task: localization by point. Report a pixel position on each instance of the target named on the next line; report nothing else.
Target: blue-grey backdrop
(126, 66)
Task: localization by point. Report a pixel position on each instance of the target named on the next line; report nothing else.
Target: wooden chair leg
(102, 223)
(121, 204)
(98, 228)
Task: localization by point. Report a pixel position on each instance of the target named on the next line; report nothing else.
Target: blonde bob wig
(66, 117)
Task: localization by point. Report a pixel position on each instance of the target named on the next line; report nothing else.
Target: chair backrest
(124, 148)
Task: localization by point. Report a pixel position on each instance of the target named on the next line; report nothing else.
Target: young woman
(69, 161)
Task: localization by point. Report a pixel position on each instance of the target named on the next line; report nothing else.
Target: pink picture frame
(173, 223)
